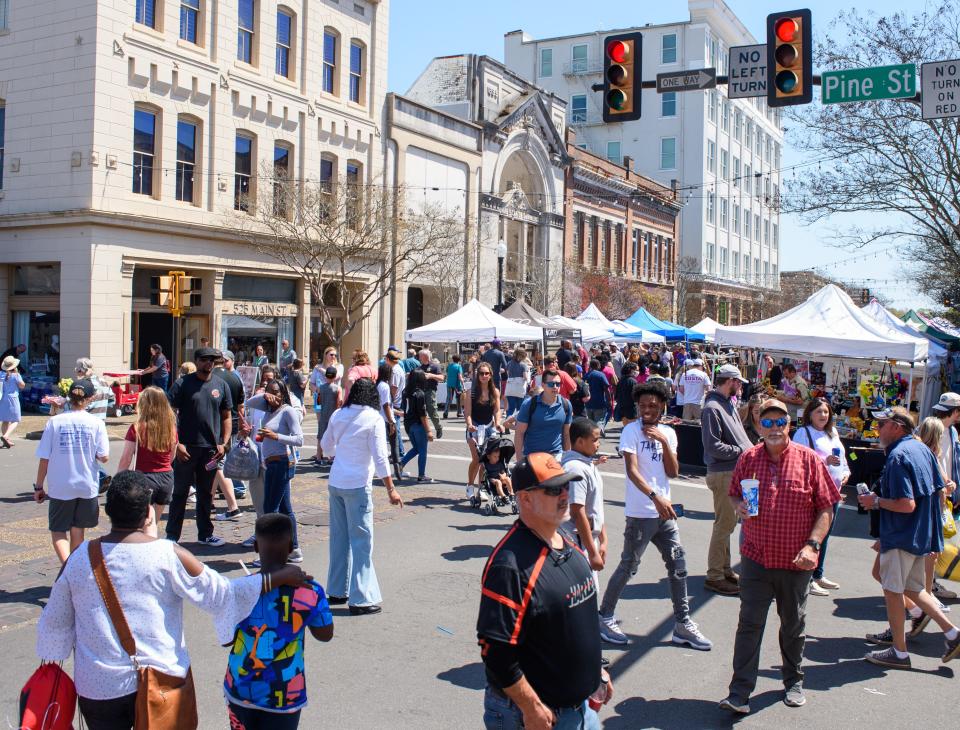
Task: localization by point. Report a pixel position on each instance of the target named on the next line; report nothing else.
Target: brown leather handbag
(164, 702)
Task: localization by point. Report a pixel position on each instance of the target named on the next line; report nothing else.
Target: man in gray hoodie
(723, 441)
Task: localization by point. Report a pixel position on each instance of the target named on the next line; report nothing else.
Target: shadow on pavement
(470, 676)
(678, 713)
(37, 596)
(467, 552)
(503, 527)
(18, 498)
(869, 608)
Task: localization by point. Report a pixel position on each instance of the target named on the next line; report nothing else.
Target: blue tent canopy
(644, 320)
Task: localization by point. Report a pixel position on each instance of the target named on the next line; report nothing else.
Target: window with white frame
(356, 72)
(144, 150)
(635, 260)
(281, 178)
(4, 12)
(578, 109)
(146, 13)
(725, 116)
(759, 139)
(746, 266)
(3, 134)
(546, 63)
(354, 194)
(747, 179)
(773, 277)
(579, 58)
(776, 155)
(737, 123)
(711, 207)
(613, 153)
(724, 164)
(775, 199)
(776, 237)
(766, 274)
(668, 153)
(746, 224)
(766, 232)
(748, 134)
(736, 218)
(712, 106)
(328, 177)
(756, 227)
(724, 212)
(756, 270)
(712, 156)
(187, 140)
(668, 48)
(246, 22)
(723, 262)
(190, 20)
(735, 264)
(668, 104)
(284, 43)
(766, 189)
(736, 172)
(331, 43)
(708, 264)
(243, 180)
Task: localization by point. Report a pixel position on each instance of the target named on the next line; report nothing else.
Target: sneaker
(249, 541)
(888, 658)
(255, 563)
(917, 625)
(794, 696)
(951, 649)
(827, 583)
(610, 631)
(192, 496)
(884, 637)
(232, 515)
(212, 541)
(687, 632)
(296, 556)
(817, 590)
(941, 606)
(240, 493)
(723, 587)
(943, 593)
(734, 705)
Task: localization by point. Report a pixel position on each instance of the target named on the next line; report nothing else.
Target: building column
(126, 307)
(215, 287)
(5, 323)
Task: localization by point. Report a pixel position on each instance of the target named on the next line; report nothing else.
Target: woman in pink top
(361, 368)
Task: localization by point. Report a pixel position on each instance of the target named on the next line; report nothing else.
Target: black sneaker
(884, 637)
(231, 516)
(888, 658)
(917, 625)
(951, 649)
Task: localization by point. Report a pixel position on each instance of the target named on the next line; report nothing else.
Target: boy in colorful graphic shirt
(265, 685)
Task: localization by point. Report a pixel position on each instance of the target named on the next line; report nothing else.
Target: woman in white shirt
(819, 434)
(151, 578)
(357, 437)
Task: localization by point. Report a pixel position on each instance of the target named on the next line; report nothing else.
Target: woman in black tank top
(482, 414)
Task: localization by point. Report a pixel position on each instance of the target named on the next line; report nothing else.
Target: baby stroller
(486, 499)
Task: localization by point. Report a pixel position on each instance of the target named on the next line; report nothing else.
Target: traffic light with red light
(789, 58)
(622, 77)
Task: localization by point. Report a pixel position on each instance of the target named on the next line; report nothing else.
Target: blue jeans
(400, 450)
(418, 440)
(161, 381)
(818, 572)
(513, 404)
(276, 492)
(599, 416)
(499, 713)
(351, 571)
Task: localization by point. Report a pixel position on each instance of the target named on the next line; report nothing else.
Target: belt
(503, 695)
(273, 459)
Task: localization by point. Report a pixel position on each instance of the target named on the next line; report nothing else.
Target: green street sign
(868, 84)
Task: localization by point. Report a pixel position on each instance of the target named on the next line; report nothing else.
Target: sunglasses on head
(771, 422)
(552, 384)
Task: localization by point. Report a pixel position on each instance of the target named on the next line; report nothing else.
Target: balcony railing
(581, 67)
(584, 118)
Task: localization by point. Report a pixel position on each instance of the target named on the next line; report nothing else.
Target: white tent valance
(828, 323)
(474, 322)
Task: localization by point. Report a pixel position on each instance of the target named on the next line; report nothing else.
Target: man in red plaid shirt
(778, 551)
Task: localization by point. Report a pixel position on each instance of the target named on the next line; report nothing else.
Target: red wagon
(125, 391)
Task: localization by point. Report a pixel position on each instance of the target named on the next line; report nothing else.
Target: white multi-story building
(723, 154)
(130, 132)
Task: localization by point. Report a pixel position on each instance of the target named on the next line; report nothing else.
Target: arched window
(331, 61)
(146, 146)
(328, 180)
(282, 181)
(286, 46)
(358, 72)
(244, 181)
(189, 136)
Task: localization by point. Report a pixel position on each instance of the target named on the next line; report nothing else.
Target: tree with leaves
(350, 243)
(881, 158)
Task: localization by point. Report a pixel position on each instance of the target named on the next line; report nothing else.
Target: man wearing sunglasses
(203, 404)
(543, 421)
(779, 550)
(537, 621)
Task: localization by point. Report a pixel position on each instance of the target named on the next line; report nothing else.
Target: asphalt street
(417, 664)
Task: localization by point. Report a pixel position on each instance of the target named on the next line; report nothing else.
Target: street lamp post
(760, 301)
(501, 255)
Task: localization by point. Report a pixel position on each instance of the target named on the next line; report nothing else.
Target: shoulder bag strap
(806, 430)
(110, 599)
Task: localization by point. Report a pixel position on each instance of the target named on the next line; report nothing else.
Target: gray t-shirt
(588, 491)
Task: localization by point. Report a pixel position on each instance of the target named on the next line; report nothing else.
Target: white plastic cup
(751, 495)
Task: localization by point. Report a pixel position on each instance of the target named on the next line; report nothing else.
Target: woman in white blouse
(819, 434)
(152, 578)
(357, 437)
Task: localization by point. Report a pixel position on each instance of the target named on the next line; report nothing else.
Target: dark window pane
(284, 25)
(259, 289)
(244, 155)
(356, 58)
(144, 127)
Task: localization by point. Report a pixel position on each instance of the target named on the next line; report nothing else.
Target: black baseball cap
(202, 352)
(540, 470)
(330, 372)
(84, 388)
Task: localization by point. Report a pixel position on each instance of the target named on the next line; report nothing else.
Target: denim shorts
(483, 434)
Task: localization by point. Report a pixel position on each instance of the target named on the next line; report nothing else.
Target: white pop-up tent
(617, 330)
(828, 323)
(590, 332)
(474, 322)
(706, 327)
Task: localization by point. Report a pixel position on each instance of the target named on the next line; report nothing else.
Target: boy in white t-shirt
(650, 459)
(693, 384)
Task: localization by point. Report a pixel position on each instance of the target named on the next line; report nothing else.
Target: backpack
(535, 399)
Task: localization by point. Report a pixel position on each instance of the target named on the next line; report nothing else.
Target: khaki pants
(691, 411)
(724, 523)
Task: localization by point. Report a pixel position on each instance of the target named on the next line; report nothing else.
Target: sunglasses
(554, 491)
(552, 384)
(484, 374)
(770, 422)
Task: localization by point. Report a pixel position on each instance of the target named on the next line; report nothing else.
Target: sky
(423, 29)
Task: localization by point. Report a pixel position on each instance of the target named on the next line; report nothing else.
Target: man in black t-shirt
(232, 489)
(537, 626)
(497, 361)
(434, 377)
(203, 404)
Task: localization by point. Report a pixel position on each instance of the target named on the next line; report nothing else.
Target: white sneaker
(816, 590)
(827, 583)
(296, 556)
(470, 491)
(213, 541)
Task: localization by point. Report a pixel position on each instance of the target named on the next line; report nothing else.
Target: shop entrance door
(153, 328)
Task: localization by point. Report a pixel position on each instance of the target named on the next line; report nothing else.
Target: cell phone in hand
(212, 464)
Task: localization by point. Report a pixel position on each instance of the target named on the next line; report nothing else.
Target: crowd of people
(543, 579)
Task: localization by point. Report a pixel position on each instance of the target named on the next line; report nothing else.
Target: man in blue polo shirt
(543, 421)
(910, 528)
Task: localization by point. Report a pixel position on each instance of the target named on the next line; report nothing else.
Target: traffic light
(789, 58)
(162, 290)
(622, 77)
(177, 292)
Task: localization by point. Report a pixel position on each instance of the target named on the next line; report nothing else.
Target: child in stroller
(495, 484)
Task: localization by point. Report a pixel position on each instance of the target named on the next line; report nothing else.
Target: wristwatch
(815, 544)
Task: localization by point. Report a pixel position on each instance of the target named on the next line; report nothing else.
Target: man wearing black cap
(538, 613)
(497, 361)
(203, 404)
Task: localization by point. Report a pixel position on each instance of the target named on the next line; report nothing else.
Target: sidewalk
(32, 424)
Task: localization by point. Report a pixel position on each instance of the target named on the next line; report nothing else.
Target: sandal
(7, 444)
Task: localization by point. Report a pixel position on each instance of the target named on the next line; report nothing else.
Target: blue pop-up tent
(643, 319)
